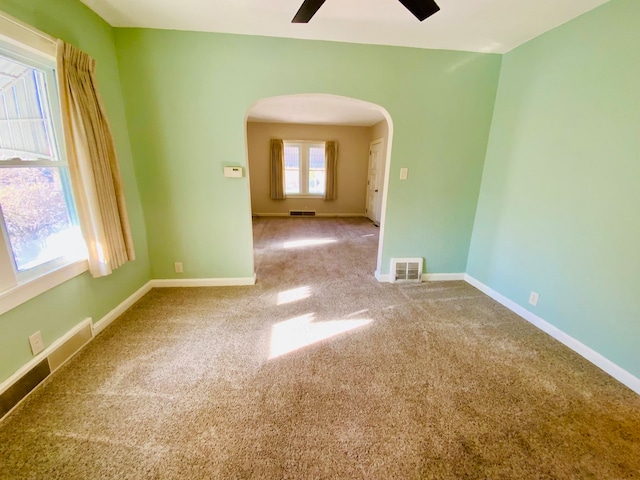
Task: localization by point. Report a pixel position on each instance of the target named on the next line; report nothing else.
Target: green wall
(59, 309)
(559, 208)
(558, 204)
(187, 95)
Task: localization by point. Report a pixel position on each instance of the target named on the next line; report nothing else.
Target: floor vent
(52, 358)
(406, 270)
(302, 213)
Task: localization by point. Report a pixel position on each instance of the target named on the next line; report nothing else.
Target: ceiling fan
(420, 8)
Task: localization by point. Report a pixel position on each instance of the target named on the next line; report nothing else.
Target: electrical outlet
(36, 342)
(178, 267)
(533, 298)
(404, 172)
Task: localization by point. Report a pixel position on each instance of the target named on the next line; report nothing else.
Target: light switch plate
(404, 172)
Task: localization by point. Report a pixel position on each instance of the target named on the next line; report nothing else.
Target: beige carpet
(320, 372)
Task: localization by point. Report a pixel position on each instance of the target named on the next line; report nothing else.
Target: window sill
(26, 291)
(291, 195)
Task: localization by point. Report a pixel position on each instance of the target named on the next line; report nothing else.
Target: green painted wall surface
(187, 95)
(559, 209)
(59, 309)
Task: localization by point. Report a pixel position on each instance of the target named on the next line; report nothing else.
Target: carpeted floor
(319, 371)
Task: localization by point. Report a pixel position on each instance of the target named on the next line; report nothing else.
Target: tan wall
(353, 157)
(380, 130)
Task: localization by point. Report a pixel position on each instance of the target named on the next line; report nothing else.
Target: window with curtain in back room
(38, 221)
(304, 168)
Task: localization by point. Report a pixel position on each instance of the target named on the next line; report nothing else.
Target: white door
(374, 182)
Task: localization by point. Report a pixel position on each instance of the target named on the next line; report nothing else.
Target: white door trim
(375, 190)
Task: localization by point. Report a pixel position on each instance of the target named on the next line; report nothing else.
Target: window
(304, 168)
(39, 230)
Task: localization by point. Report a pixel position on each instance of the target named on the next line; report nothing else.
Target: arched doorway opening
(303, 120)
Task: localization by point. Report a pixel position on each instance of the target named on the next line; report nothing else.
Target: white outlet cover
(533, 298)
(404, 172)
(178, 267)
(36, 342)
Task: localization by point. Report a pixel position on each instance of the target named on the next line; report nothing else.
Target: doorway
(296, 113)
(375, 184)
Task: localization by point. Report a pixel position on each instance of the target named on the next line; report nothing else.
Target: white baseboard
(4, 386)
(346, 215)
(426, 277)
(594, 357)
(105, 321)
(203, 282)
(383, 277)
(442, 277)
(95, 329)
(341, 215)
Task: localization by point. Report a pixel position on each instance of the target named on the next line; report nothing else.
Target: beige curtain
(277, 169)
(331, 159)
(93, 167)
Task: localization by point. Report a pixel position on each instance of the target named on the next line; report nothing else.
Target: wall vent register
(406, 270)
(302, 213)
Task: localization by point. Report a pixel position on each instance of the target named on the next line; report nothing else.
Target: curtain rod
(29, 28)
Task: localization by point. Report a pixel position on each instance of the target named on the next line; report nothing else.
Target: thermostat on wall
(233, 172)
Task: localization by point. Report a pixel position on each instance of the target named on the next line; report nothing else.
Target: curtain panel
(331, 159)
(93, 166)
(277, 169)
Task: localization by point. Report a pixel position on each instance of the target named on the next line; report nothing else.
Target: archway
(324, 110)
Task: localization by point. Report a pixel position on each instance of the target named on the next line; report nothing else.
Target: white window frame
(304, 146)
(21, 40)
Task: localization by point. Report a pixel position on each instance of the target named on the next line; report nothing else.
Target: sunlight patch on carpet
(308, 242)
(293, 295)
(299, 332)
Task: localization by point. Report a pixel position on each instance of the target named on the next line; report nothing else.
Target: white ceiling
(469, 25)
(494, 26)
(316, 109)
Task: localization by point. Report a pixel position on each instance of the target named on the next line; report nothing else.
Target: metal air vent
(302, 213)
(406, 270)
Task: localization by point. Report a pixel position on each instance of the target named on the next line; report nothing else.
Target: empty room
(319, 239)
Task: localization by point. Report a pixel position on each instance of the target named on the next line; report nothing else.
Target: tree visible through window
(36, 204)
(304, 168)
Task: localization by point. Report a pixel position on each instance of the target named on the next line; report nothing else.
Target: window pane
(39, 216)
(291, 157)
(316, 158)
(316, 182)
(316, 171)
(292, 181)
(25, 123)
(292, 169)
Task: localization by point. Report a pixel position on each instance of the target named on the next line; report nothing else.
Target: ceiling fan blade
(307, 10)
(421, 8)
